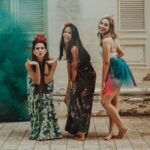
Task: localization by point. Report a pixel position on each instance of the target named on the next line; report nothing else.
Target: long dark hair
(75, 41)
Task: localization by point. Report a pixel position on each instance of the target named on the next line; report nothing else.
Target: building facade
(132, 18)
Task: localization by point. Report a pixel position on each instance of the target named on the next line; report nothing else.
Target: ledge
(124, 92)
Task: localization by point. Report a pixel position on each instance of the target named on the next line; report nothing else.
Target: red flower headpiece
(40, 38)
(67, 23)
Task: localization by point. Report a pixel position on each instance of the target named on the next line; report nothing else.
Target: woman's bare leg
(113, 113)
(111, 134)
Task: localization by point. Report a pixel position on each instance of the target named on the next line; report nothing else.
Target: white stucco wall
(85, 14)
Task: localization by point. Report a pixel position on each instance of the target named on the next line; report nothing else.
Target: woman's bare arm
(106, 60)
(119, 50)
(69, 78)
(35, 76)
(69, 86)
(48, 74)
(74, 63)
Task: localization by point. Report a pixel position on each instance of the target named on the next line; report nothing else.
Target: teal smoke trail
(13, 54)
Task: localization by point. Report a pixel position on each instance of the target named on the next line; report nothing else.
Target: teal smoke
(13, 54)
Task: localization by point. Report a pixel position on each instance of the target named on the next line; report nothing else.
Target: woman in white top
(115, 73)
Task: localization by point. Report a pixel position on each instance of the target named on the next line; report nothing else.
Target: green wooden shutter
(32, 15)
(4, 4)
(5, 10)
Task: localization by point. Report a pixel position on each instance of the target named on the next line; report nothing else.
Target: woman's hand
(35, 75)
(71, 85)
(51, 61)
(29, 62)
(66, 98)
(68, 92)
(103, 87)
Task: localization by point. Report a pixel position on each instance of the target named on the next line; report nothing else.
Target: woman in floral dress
(41, 67)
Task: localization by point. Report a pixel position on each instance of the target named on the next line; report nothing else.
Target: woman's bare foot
(122, 132)
(109, 136)
(80, 136)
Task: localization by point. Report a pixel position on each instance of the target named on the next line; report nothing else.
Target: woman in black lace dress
(81, 82)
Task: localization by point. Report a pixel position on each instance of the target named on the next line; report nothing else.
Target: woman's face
(103, 26)
(67, 35)
(40, 50)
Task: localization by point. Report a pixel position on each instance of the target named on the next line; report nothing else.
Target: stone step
(141, 91)
(132, 101)
(143, 88)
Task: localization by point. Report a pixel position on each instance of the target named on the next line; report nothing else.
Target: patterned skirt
(44, 123)
(81, 100)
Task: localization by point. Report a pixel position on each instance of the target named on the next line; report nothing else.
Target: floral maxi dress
(44, 123)
(81, 100)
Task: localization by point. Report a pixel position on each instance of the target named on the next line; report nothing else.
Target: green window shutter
(32, 15)
(131, 15)
(4, 4)
(5, 11)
